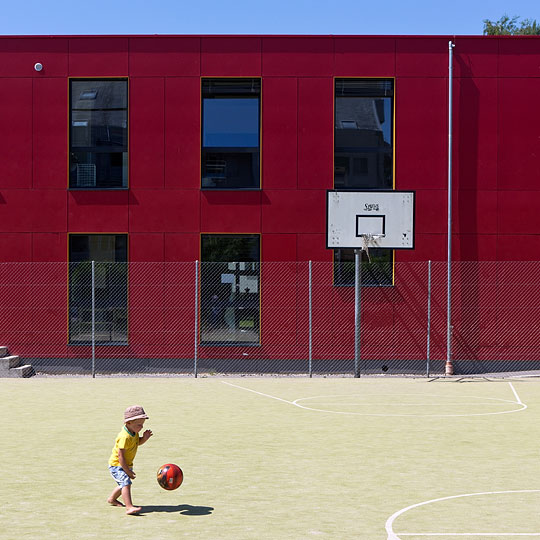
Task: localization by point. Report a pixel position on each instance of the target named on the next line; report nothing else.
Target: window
(363, 134)
(109, 253)
(231, 133)
(230, 278)
(378, 272)
(98, 137)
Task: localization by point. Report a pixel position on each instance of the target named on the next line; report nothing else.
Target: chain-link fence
(289, 318)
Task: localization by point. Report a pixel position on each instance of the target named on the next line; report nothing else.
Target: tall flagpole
(449, 367)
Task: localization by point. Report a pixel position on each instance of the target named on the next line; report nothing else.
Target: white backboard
(389, 215)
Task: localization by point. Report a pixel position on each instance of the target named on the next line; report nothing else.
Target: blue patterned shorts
(122, 479)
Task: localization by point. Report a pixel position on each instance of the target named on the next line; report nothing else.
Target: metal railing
(289, 318)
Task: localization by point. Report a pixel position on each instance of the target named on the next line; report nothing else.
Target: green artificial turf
(257, 466)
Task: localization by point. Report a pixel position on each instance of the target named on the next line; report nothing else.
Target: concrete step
(3, 351)
(21, 371)
(9, 362)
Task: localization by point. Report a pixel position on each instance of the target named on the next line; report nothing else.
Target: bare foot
(133, 510)
(114, 502)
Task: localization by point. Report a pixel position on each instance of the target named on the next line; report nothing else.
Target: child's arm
(123, 464)
(146, 435)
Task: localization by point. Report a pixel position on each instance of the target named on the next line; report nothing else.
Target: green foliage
(511, 26)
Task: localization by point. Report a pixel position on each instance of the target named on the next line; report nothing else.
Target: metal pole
(310, 324)
(449, 368)
(357, 306)
(93, 321)
(428, 353)
(196, 350)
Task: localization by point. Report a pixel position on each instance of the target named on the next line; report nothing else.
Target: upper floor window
(98, 137)
(363, 134)
(230, 150)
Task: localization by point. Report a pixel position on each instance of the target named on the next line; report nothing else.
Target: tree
(509, 26)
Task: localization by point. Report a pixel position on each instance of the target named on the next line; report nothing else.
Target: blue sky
(422, 17)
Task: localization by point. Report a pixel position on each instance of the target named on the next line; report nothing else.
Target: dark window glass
(109, 253)
(363, 134)
(377, 272)
(98, 139)
(231, 133)
(230, 289)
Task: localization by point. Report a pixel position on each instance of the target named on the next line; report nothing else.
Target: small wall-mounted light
(38, 66)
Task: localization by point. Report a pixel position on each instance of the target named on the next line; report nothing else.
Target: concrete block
(9, 362)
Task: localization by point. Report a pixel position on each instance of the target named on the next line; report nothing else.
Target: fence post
(93, 321)
(357, 308)
(196, 349)
(310, 323)
(428, 353)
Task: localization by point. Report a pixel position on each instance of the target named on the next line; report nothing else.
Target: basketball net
(369, 240)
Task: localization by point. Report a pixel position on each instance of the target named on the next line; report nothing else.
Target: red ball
(170, 476)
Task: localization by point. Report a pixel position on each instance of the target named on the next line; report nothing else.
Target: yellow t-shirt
(127, 441)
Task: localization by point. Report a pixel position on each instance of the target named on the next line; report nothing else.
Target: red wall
(496, 144)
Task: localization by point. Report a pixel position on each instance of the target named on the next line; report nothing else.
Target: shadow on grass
(185, 509)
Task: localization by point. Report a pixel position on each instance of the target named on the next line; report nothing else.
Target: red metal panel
(312, 247)
(519, 143)
(422, 57)
(33, 210)
(279, 247)
(301, 211)
(164, 56)
(298, 56)
(18, 55)
(279, 142)
(518, 212)
(49, 247)
(147, 126)
(98, 211)
(230, 56)
(183, 133)
(518, 247)
(50, 135)
(431, 211)
(15, 247)
(519, 56)
(315, 133)
(421, 133)
(16, 138)
(475, 247)
(231, 211)
(474, 212)
(98, 56)
(365, 56)
(475, 57)
(145, 247)
(182, 247)
(475, 134)
(152, 210)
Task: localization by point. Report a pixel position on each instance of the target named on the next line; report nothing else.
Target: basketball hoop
(370, 240)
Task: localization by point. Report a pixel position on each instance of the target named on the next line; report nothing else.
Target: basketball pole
(449, 367)
(357, 299)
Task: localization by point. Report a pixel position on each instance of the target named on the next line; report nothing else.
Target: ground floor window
(377, 272)
(109, 253)
(230, 289)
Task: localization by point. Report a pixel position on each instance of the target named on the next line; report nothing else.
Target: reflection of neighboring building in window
(363, 158)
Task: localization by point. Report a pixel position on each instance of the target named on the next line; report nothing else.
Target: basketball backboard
(386, 216)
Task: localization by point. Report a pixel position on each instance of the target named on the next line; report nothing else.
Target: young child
(123, 454)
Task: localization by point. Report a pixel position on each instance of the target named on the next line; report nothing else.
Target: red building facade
(164, 211)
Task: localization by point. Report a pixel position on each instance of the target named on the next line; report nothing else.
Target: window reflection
(98, 134)
(375, 272)
(230, 289)
(363, 147)
(230, 133)
(109, 253)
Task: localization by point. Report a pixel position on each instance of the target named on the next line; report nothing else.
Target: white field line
(504, 535)
(394, 536)
(260, 393)
(516, 394)
(296, 403)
